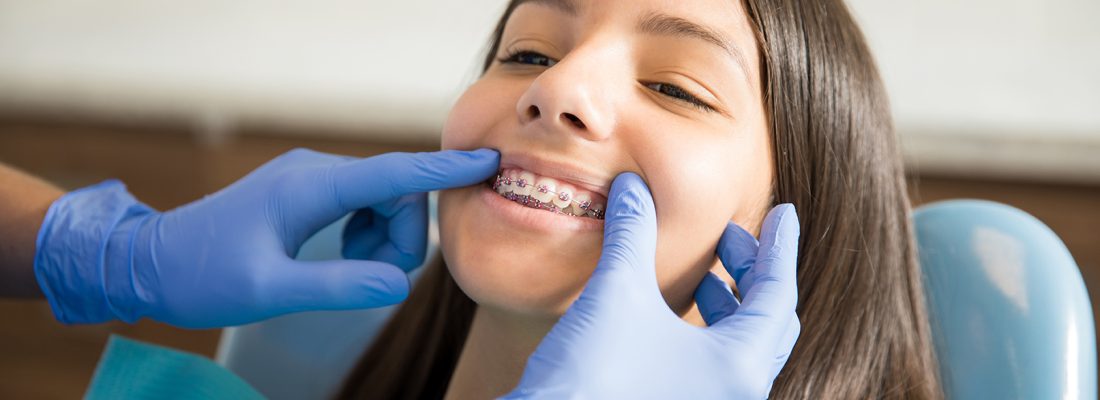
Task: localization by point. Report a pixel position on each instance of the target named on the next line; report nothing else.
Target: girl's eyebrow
(565, 6)
(667, 25)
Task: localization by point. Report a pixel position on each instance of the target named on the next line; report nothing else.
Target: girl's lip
(534, 219)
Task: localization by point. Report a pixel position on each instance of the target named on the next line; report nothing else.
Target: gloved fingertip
(788, 219)
(478, 157)
(483, 153)
(487, 160)
(452, 168)
(406, 261)
(627, 180)
(388, 285)
(737, 249)
(629, 195)
(340, 285)
(779, 234)
(734, 232)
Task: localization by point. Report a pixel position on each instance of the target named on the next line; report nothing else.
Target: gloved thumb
(629, 238)
(336, 285)
(368, 181)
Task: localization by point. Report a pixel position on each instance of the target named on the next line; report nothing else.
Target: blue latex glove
(228, 259)
(620, 340)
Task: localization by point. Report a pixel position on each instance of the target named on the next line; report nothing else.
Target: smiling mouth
(548, 194)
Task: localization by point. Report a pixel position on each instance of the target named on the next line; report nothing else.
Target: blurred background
(995, 100)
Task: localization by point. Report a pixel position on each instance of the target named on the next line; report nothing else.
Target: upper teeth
(563, 196)
(525, 183)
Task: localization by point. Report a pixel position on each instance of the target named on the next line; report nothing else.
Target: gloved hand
(228, 259)
(620, 340)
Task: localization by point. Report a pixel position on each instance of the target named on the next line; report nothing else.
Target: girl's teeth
(564, 197)
(544, 189)
(595, 210)
(547, 193)
(580, 201)
(524, 184)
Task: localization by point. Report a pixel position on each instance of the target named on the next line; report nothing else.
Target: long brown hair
(865, 332)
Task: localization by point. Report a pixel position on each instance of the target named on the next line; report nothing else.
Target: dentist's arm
(619, 340)
(228, 258)
(23, 203)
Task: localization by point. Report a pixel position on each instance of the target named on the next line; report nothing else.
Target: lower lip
(535, 219)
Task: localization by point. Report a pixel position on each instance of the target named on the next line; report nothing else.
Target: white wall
(992, 87)
(990, 65)
(357, 66)
(1007, 87)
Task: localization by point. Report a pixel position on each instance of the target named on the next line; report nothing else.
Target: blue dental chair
(1010, 315)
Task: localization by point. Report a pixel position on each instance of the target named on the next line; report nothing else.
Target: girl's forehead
(727, 17)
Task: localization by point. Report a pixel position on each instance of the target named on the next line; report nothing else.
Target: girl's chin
(511, 257)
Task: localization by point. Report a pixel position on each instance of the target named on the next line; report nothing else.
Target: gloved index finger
(368, 181)
(737, 249)
(769, 298)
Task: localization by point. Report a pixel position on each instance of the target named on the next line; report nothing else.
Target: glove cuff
(72, 246)
(128, 246)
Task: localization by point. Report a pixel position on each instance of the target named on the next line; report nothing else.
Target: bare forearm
(24, 200)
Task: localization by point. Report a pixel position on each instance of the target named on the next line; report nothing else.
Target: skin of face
(703, 168)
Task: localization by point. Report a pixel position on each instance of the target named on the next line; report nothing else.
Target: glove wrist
(74, 244)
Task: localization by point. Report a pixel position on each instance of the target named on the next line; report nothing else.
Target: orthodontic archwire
(522, 183)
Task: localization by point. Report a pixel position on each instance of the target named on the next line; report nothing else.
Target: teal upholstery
(1009, 312)
(1010, 315)
(135, 370)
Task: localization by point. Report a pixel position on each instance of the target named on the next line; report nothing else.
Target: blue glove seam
(154, 219)
(101, 260)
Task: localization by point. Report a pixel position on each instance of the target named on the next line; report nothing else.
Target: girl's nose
(569, 98)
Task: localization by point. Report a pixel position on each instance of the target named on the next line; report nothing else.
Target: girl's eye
(680, 94)
(527, 57)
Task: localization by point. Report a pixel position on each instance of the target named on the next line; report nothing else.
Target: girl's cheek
(471, 117)
(462, 123)
(488, 102)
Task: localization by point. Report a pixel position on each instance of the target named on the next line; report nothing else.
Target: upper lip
(579, 176)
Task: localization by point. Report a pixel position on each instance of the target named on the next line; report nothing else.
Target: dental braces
(535, 203)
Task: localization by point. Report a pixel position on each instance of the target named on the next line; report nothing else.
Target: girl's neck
(495, 353)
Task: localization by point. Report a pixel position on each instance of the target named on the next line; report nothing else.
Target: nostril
(573, 118)
(533, 112)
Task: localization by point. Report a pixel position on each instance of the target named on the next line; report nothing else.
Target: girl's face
(582, 91)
